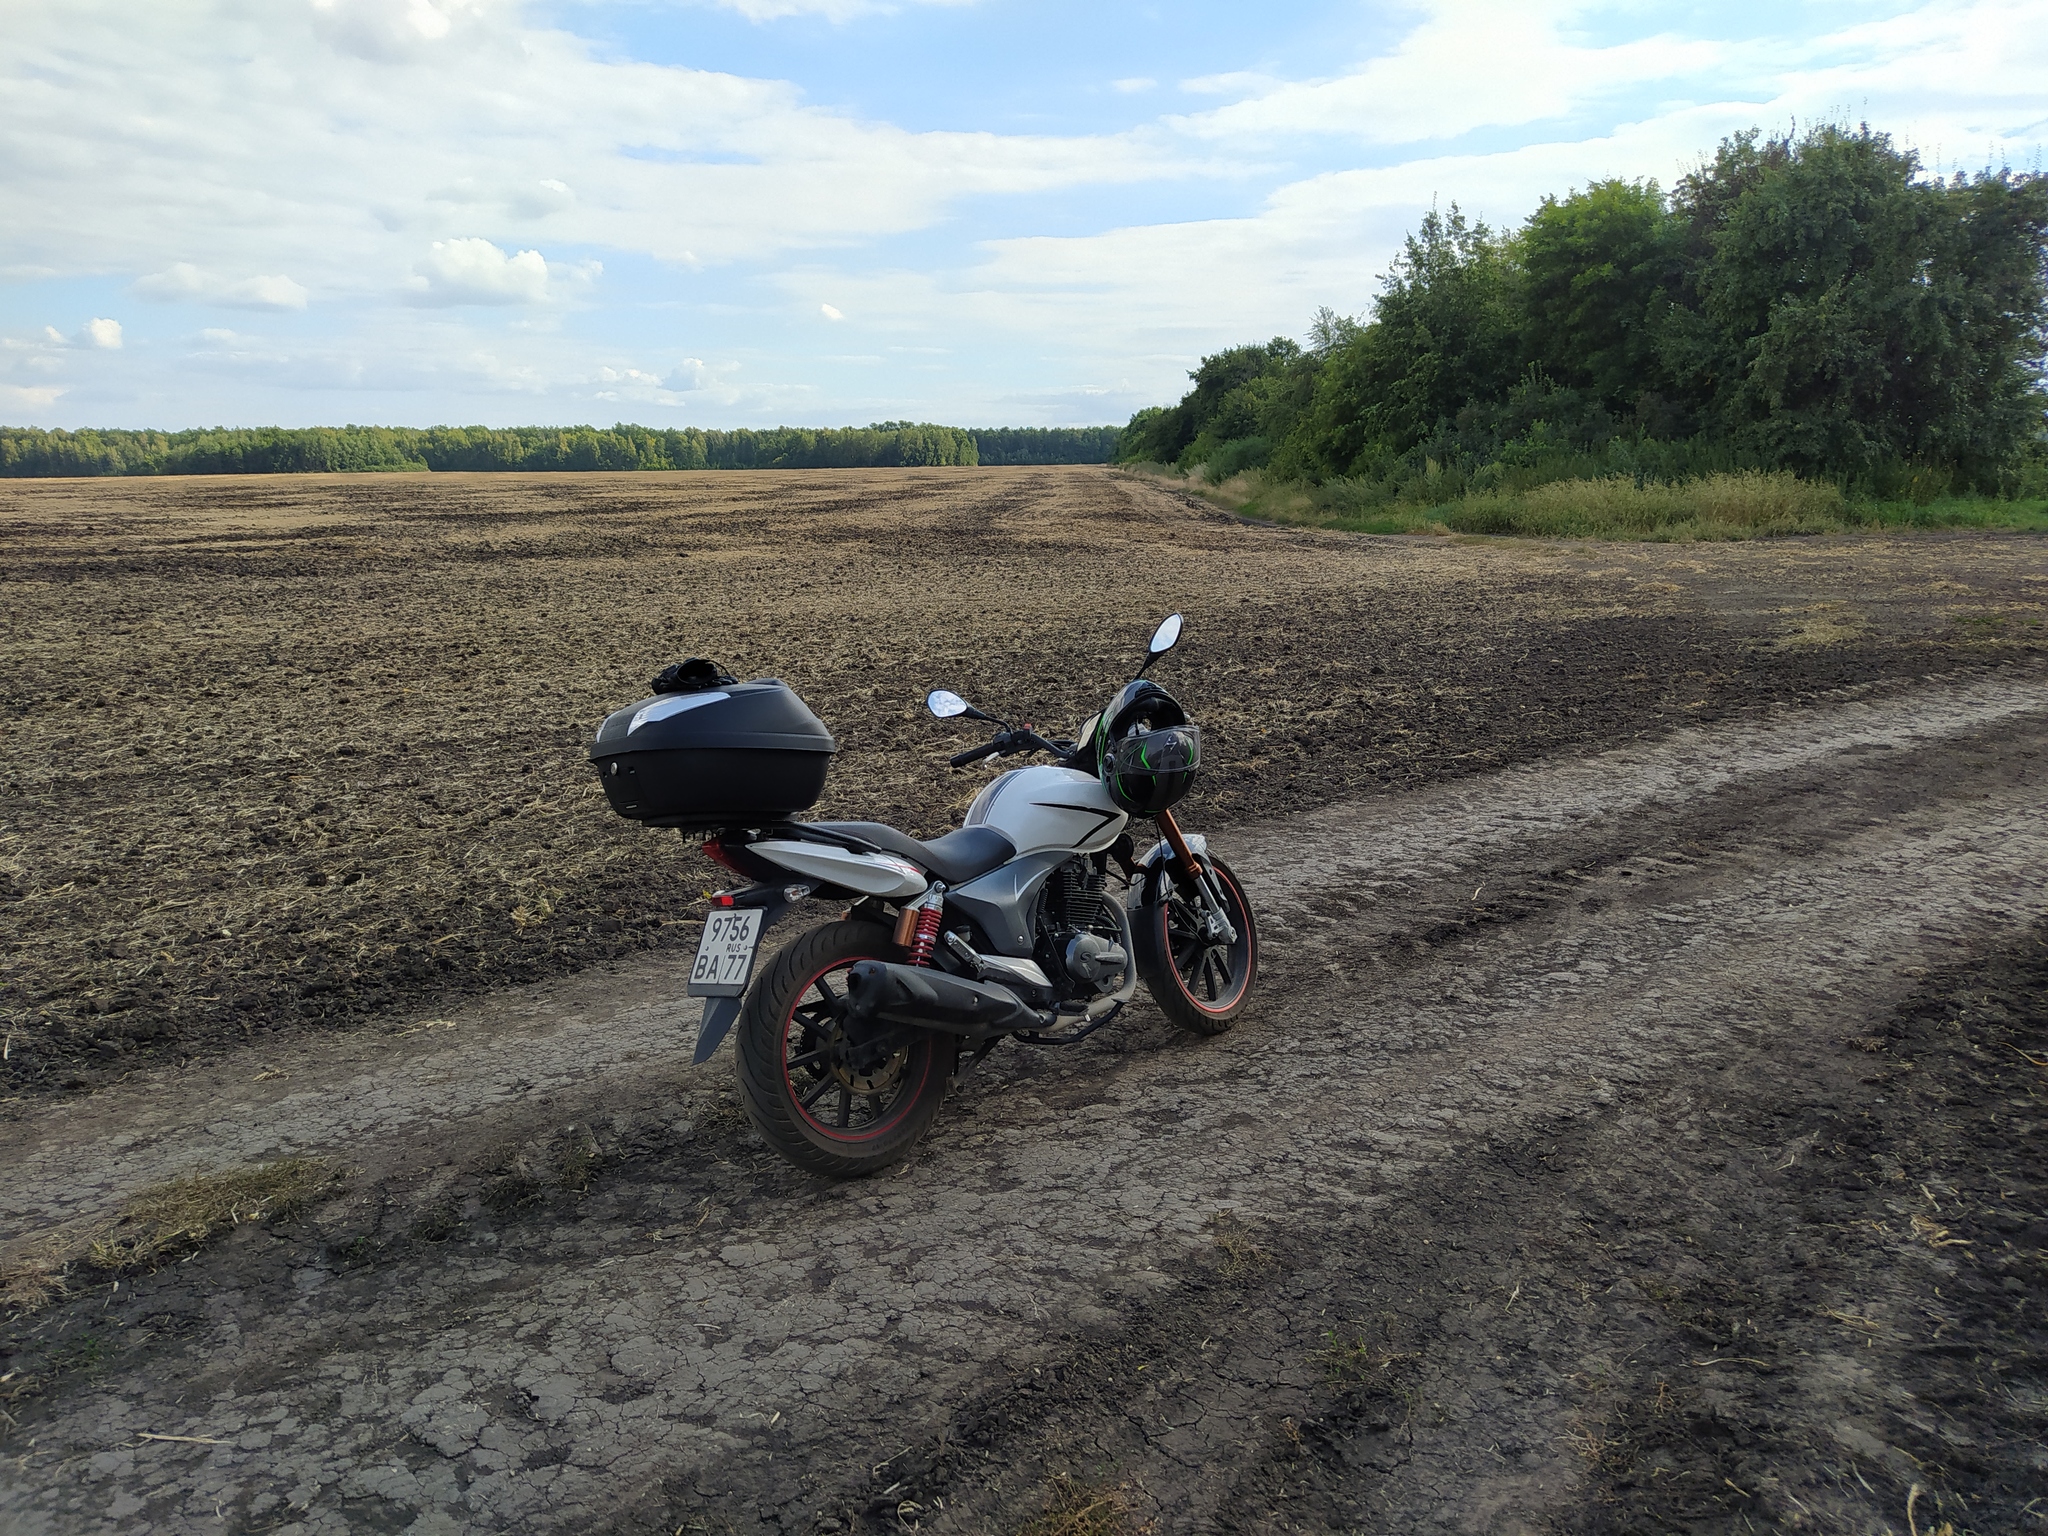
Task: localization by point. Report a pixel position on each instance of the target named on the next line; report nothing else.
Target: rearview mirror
(1166, 636)
(946, 704)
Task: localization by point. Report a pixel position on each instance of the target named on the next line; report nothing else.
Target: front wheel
(832, 1105)
(1200, 977)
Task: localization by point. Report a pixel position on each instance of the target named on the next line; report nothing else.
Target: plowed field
(1637, 1128)
(292, 751)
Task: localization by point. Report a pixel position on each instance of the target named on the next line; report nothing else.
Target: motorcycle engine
(1080, 939)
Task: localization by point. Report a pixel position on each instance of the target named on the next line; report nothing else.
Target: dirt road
(1648, 1140)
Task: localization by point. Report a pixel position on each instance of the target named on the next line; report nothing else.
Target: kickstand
(980, 1054)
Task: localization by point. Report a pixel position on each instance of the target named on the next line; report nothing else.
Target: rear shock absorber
(926, 938)
(917, 926)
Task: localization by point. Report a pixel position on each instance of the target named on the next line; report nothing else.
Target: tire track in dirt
(538, 1371)
(571, 1037)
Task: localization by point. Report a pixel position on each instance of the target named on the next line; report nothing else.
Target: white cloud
(271, 291)
(390, 31)
(638, 376)
(105, 334)
(203, 151)
(483, 128)
(182, 281)
(829, 10)
(29, 398)
(1507, 62)
(474, 271)
(691, 376)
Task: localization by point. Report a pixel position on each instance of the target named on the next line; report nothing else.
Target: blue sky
(749, 212)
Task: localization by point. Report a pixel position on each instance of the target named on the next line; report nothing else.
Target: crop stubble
(300, 750)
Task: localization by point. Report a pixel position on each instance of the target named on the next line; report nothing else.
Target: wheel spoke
(806, 1059)
(845, 1106)
(818, 1090)
(875, 1107)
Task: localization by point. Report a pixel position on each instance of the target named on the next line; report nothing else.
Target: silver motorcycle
(1035, 921)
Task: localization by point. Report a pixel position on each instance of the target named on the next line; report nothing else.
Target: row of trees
(284, 450)
(1046, 445)
(1811, 303)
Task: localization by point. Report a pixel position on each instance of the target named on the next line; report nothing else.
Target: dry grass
(1739, 505)
(1750, 502)
(167, 1221)
(1360, 1361)
(30, 1284)
(1075, 1508)
(1241, 1257)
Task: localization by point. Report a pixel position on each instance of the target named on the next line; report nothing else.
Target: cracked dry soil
(1643, 1141)
(1637, 1133)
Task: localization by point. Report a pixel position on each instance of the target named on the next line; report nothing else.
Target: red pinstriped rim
(906, 1093)
(1251, 950)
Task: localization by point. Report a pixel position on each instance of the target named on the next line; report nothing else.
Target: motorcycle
(1035, 921)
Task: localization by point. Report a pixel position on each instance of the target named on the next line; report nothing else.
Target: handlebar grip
(974, 754)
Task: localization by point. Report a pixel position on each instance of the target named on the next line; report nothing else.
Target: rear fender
(871, 874)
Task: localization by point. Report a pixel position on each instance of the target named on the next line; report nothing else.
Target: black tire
(1200, 987)
(785, 1055)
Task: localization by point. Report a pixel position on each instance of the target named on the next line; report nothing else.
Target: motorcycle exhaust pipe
(909, 994)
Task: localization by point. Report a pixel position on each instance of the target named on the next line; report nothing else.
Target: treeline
(352, 449)
(1812, 304)
(1046, 445)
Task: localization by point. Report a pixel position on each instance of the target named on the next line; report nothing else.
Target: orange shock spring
(926, 938)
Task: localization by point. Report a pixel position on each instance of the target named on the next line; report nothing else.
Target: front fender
(1159, 857)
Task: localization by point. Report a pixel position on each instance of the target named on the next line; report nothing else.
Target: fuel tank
(1044, 809)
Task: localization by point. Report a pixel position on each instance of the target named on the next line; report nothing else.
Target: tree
(1600, 268)
(1446, 330)
(1852, 315)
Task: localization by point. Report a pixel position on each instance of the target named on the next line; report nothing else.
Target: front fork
(1216, 924)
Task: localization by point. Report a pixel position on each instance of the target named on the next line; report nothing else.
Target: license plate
(725, 955)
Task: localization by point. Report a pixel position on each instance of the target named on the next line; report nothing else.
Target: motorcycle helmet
(1145, 750)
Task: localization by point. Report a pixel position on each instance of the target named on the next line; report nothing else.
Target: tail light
(716, 853)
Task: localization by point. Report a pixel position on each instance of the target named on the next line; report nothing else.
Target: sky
(726, 213)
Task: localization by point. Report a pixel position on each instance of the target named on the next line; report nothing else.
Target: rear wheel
(828, 1104)
(1200, 977)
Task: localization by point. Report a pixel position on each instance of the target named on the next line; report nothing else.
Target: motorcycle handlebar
(1008, 743)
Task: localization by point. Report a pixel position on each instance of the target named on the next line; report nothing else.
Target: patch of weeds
(79, 1354)
(1360, 1361)
(1074, 1508)
(168, 1221)
(1378, 1383)
(1712, 1319)
(358, 1250)
(1242, 1258)
(565, 1164)
(437, 1225)
(579, 1160)
(1983, 623)
(518, 1185)
(722, 1118)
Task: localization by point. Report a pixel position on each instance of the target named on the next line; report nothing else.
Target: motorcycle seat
(954, 858)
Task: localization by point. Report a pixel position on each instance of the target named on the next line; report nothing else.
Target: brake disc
(875, 1079)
